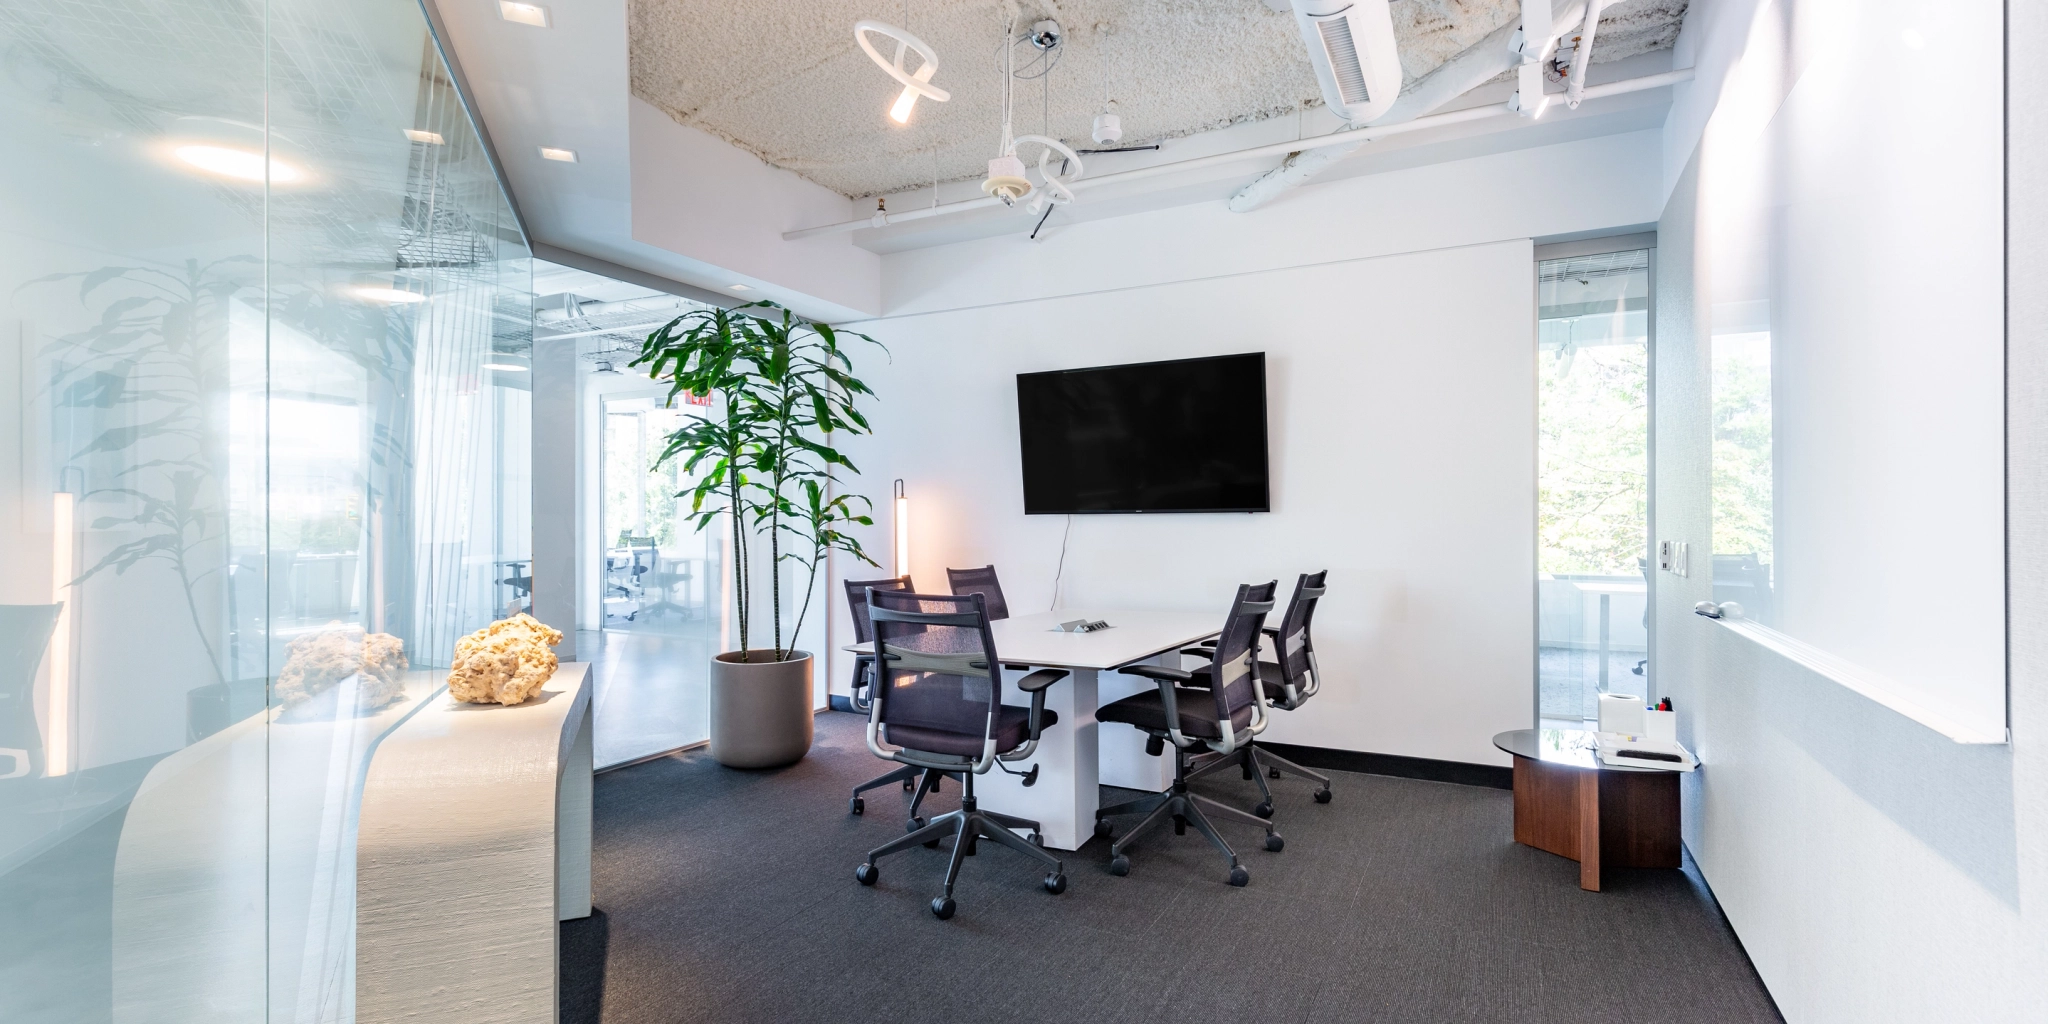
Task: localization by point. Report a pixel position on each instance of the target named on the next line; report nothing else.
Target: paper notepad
(1633, 750)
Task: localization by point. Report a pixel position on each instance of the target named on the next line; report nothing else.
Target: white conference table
(1076, 756)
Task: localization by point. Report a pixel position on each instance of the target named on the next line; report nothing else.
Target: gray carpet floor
(729, 896)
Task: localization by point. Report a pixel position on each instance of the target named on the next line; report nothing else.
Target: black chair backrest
(1234, 667)
(1295, 653)
(857, 603)
(980, 581)
(935, 662)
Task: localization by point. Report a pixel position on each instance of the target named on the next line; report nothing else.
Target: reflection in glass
(259, 478)
(1593, 480)
(1742, 473)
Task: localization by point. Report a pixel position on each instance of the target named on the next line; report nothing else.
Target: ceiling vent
(1351, 45)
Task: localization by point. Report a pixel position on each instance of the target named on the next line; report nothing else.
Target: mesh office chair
(938, 704)
(1290, 679)
(980, 581)
(1222, 718)
(862, 698)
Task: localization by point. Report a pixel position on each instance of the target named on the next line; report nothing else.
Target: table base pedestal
(1600, 819)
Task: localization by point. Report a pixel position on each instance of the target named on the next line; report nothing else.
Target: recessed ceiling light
(523, 14)
(567, 156)
(381, 293)
(741, 287)
(509, 367)
(430, 138)
(236, 163)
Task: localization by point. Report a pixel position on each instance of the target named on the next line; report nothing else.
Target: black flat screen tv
(1185, 435)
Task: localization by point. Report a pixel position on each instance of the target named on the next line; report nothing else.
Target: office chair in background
(1222, 718)
(861, 696)
(980, 581)
(1289, 679)
(938, 704)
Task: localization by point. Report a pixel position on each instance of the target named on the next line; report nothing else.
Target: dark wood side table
(1569, 804)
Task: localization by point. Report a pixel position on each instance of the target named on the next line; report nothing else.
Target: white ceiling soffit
(784, 79)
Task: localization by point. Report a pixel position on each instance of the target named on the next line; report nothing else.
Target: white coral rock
(506, 662)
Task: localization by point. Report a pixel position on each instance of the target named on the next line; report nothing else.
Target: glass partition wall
(652, 585)
(1593, 481)
(264, 328)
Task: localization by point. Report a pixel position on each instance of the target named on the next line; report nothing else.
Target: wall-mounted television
(1184, 435)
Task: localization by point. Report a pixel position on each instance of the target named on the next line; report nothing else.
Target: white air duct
(1351, 46)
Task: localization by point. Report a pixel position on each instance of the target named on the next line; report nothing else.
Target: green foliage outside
(1742, 445)
(1592, 480)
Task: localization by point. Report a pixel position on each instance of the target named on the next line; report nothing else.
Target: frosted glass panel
(263, 358)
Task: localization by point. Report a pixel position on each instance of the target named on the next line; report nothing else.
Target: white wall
(1403, 454)
(1874, 870)
(1398, 314)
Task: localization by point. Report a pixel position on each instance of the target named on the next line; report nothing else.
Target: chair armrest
(1199, 652)
(1159, 672)
(1039, 680)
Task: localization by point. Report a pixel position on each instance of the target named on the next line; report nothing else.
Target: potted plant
(780, 387)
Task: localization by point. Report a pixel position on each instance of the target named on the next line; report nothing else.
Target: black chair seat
(1197, 713)
(1268, 674)
(1013, 727)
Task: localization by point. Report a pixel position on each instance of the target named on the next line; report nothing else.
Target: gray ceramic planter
(760, 709)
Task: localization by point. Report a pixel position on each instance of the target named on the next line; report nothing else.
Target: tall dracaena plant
(780, 387)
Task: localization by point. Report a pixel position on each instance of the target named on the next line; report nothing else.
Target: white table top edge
(1134, 635)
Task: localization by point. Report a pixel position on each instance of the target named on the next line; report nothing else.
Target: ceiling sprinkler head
(1006, 180)
(1045, 34)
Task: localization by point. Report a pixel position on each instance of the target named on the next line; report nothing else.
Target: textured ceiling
(784, 79)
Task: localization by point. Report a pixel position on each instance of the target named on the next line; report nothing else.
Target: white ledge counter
(474, 843)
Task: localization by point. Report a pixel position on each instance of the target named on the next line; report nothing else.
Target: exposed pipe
(1348, 137)
(1298, 168)
(1582, 57)
(1477, 65)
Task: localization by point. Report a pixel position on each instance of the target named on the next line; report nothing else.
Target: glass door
(1593, 492)
(661, 585)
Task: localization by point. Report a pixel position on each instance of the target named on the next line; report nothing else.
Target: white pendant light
(1006, 180)
(914, 84)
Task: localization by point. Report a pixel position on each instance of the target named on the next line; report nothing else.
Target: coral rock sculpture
(505, 662)
(317, 661)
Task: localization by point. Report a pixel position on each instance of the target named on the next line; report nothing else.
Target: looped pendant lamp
(914, 84)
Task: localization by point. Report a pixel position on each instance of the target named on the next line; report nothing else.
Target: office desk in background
(1606, 591)
(1077, 755)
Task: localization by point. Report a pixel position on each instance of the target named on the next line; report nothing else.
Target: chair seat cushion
(1197, 710)
(1013, 727)
(1269, 676)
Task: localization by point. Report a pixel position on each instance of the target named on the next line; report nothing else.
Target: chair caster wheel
(907, 787)
(971, 845)
(1240, 877)
(1103, 828)
(1264, 809)
(1274, 843)
(913, 824)
(943, 907)
(1322, 796)
(866, 874)
(1038, 840)
(855, 806)
(1056, 883)
(1180, 825)
(1119, 865)
(1272, 773)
